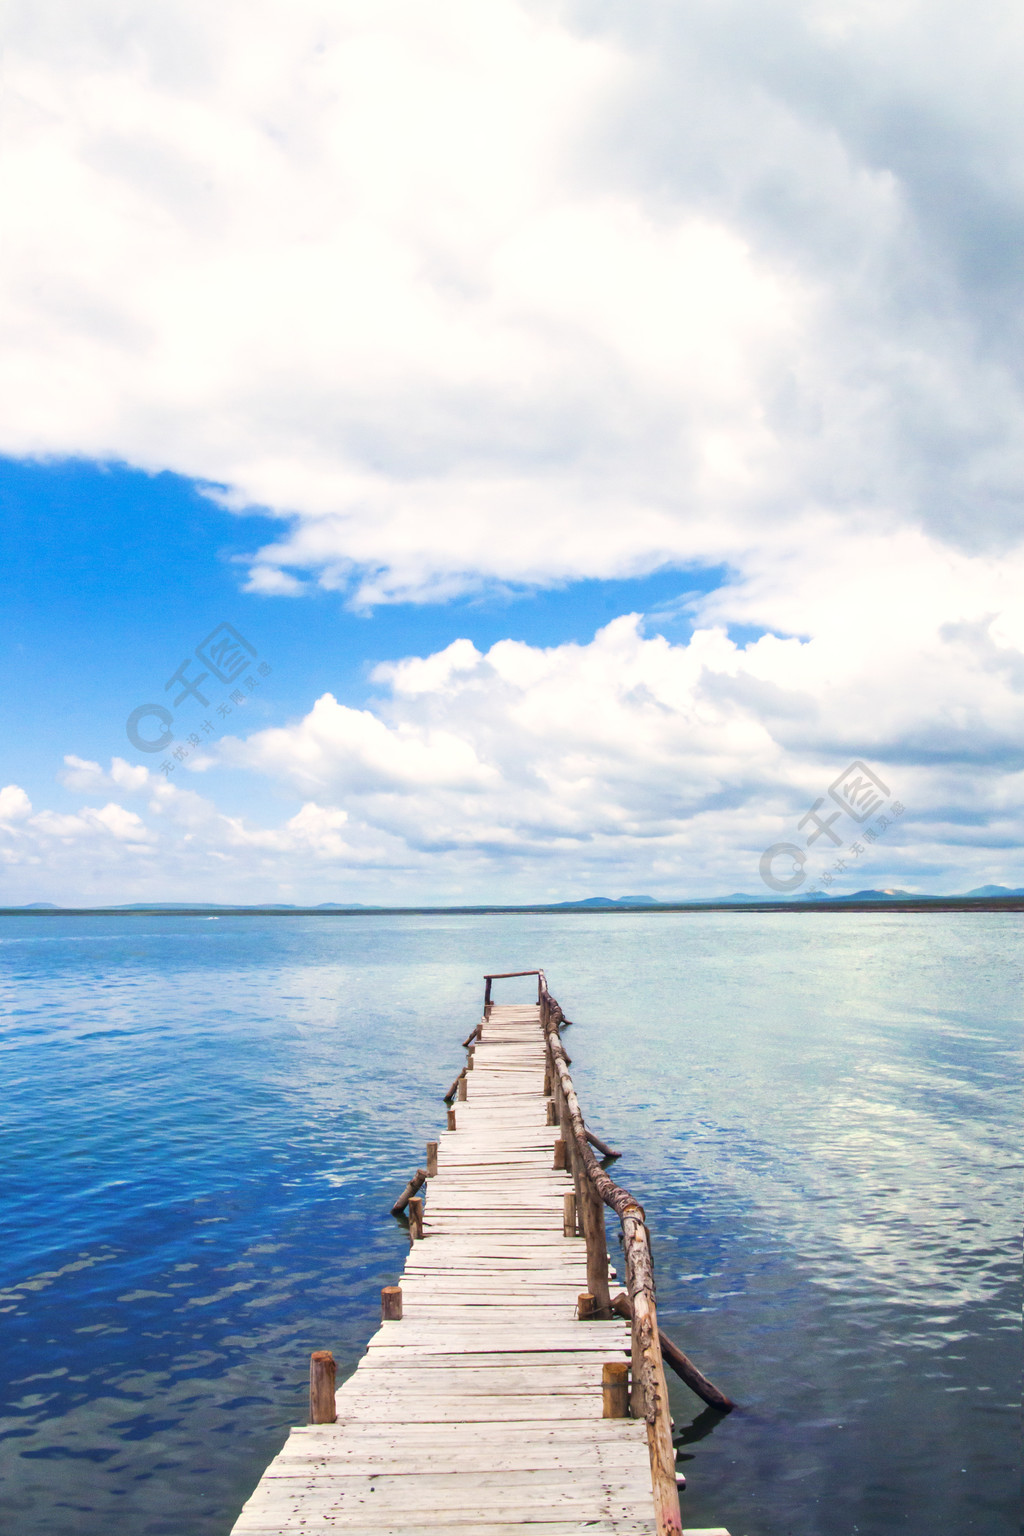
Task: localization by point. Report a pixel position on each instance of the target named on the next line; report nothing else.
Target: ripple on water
(207, 1123)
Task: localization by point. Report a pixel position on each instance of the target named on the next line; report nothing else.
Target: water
(206, 1122)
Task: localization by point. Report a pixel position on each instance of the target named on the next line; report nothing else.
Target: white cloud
(89, 778)
(489, 292)
(629, 763)
(494, 292)
(15, 805)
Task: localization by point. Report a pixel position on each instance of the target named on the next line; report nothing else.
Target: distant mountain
(605, 901)
(996, 890)
(202, 906)
(886, 895)
(40, 906)
(346, 906)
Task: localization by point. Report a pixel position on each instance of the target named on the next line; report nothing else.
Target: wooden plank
(479, 1412)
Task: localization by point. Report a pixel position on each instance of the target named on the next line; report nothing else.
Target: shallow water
(206, 1121)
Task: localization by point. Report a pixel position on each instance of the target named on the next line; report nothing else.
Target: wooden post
(615, 1390)
(487, 990)
(547, 1082)
(650, 1392)
(451, 1120)
(415, 1218)
(418, 1178)
(592, 1222)
(574, 1163)
(431, 1159)
(462, 1089)
(552, 1115)
(602, 1146)
(586, 1306)
(322, 1372)
(559, 1153)
(568, 1215)
(391, 1304)
(682, 1364)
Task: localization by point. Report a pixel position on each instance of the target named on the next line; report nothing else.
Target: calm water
(206, 1121)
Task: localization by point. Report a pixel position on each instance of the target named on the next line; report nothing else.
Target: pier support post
(568, 1215)
(615, 1390)
(463, 1090)
(431, 1159)
(559, 1153)
(451, 1119)
(391, 1304)
(586, 1306)
(322, 1373)
(418, 1178)
(552, 1114)
(415, 1218)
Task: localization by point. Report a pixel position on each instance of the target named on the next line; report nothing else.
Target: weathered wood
(680, 1363)
(322, 1373)
(479, 1410)
(418, 1179)
(454, 1087)
(559, 1153)
(592, 1222)
(552, 1113)
(431, 1159)
(615, 1389)
(391, 1303)
(602, 1146)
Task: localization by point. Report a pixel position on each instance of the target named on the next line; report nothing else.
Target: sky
(559, 449)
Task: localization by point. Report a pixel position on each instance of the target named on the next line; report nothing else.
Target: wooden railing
(648, 1398)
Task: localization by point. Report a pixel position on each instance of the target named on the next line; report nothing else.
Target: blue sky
(600, 468)
(113, 576)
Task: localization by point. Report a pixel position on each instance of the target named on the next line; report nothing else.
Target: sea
(206, 1120)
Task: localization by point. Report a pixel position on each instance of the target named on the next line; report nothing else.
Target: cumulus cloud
(631, 762)
(15, 805)
(495, 292)
(503, 292)
(676, 764)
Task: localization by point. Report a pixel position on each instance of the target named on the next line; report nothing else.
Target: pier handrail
(504, 976)
(649, 1390)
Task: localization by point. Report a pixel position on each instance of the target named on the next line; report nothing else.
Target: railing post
(650, 1392)
(487, 990)
(592, 1222)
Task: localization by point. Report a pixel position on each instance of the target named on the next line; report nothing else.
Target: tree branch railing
(594, 1190)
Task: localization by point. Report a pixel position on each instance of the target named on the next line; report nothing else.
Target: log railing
(593, 1191)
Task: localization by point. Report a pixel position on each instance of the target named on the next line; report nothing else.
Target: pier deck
(480, 1411)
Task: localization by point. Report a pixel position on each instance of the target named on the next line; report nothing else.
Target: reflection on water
(207, 1122)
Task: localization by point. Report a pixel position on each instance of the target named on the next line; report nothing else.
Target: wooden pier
(506, 1390)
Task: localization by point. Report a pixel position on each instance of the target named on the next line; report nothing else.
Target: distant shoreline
(839, 904)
